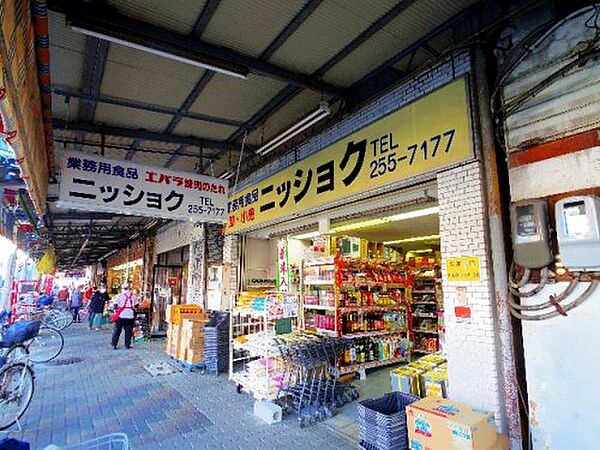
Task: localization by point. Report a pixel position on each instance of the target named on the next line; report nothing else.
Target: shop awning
(22, 123)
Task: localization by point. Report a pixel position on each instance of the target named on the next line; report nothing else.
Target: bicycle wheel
(16, 391)
(17, 353)
(46, 346)
(69, 317)
(56, 319)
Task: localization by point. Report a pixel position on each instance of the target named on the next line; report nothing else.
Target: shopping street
(320, 224)
(109, 391)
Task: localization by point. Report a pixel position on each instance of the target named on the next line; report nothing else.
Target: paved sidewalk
(109, 391)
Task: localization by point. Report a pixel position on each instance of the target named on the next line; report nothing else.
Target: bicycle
(55, 317)
(44, 346)
(16, 377)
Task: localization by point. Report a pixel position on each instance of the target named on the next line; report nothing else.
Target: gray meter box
(578, 230)
(531, 236)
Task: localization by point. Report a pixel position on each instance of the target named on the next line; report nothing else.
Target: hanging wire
(237, 172)
(212, 169)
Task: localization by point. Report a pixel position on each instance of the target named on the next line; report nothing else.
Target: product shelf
(426, 331)
(373, 333)
(425, 316)
(346, 284)
(320, 307)
(370, 365)
(431, 292)
(346, 309)
(423, 351)
(323, 331)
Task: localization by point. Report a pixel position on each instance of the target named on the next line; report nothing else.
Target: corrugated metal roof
(141, 76)
(300, 106)
(66, 51)
(234, 98)
(249, 26)
(150, 159)
(205, 129)
(62, 109)
(413, 23)
(328, 30)
(179, 15)
(130, 118)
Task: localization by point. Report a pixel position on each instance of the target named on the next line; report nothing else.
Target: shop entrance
(166, 290)
(372, 275)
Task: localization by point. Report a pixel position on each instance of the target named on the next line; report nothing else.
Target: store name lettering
(325, 177)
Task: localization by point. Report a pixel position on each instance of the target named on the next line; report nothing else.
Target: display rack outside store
(359, 299)
(254, 359)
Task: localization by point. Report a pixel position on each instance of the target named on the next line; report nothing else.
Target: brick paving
(109, 391)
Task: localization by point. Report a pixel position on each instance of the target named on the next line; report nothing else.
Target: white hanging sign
(95, 183)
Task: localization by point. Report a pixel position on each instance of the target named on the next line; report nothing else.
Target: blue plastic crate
(382, 421)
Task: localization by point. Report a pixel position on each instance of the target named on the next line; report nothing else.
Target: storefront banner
(283, 273)
(94, 183)
(425, 136)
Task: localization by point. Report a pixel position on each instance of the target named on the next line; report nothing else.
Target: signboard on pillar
(283, 274)
(423, 137)
(95, 183)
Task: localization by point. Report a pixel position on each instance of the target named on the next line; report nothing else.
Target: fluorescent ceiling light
(144, 48)
(226, 175)
(295, 129)
(431, 237)
(312, 234)
(425, 250)
(382, 220)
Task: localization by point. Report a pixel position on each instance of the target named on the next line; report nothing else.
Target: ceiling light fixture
(432, 237)
(383, 220)
(154, 51)
(312, 234)
(226, 175)
(295, 129)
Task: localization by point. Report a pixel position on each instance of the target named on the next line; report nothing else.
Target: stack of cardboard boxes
(185, 336)
(441, 424)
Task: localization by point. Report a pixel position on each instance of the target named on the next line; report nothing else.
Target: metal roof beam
(290, 28)
(82, 216)
(96, 52)
(111, 23)
(141, 134)
(66, 91)
(204, 18)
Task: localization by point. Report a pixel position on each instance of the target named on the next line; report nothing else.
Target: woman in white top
(125, 303)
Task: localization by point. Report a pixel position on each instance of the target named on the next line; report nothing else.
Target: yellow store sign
(463, 268)
(429, 134)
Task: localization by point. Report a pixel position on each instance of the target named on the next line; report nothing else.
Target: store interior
(374, 279)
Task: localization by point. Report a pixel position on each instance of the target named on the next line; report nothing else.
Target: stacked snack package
(427, 376)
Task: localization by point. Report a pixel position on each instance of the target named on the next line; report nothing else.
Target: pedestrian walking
(123, 316)
(63, 297)
(96, 306)
(76, 302)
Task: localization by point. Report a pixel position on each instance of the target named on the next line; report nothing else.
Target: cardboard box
(501, 444)
(442, 424)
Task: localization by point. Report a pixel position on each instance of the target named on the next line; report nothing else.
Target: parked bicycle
(56, 317)
(44, 346)
(16, 374)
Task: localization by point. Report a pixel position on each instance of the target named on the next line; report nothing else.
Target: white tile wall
(471, 346)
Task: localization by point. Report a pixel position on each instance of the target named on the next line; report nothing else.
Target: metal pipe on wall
(496, 243)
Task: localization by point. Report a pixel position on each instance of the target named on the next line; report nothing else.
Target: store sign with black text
(95, 183)
(423, 137)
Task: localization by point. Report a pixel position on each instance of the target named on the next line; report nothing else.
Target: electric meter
(578, 229)
(531, 237)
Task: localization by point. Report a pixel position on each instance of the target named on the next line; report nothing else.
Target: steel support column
(496, 243)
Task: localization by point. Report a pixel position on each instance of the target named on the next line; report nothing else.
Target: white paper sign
(95, 183)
